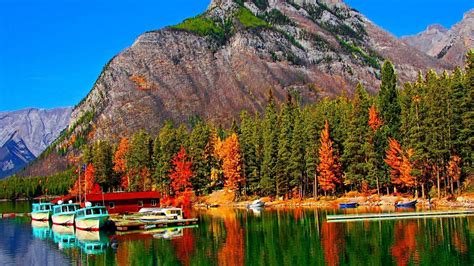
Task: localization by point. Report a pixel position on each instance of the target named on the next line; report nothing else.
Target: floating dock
(123, 225)
(396, 216)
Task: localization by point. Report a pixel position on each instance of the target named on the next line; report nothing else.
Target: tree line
(416, 140)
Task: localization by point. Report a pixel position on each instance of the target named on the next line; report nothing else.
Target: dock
(123, 225)
(396, 216)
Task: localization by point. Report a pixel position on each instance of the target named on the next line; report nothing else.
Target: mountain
(226, 60)
(26, 133)
(14, 155)
(449, 45)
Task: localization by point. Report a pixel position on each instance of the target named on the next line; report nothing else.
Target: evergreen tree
(312, 147)
(270, 148)
(198, 141)
(139, 161)
(248, 148)
(388, 101)
(467, 131)
(297, 159)
(355, 154)
(169, 146)
(102, 161)
(284, 149)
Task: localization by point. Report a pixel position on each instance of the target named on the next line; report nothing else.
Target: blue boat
(409, 204)
(348, 205)
(91, 217)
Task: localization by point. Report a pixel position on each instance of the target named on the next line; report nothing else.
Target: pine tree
(169, 147)
(198, 141)
(311, 148)
(270, 148)
(284, 149)
(297, 159)
(467, 131)
(139, 161)
(388, 101)
(355, 156)
(248, 147)
(102, 161)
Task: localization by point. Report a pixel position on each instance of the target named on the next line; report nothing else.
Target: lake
(245, 237)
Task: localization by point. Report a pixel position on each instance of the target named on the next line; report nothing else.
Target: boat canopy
(96, 210)
(65, 208)
(42, 206)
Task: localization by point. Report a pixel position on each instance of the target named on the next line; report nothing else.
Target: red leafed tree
(394, 160)
(329, 167)
(400, 164)
(229, 153)
(181, 173)
(87, 184)
(374, 118)
(120, 163)
(454, 171)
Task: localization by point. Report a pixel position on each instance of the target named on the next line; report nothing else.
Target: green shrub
(368, 59)
(277, 18)
(249, 20)
(200, 26)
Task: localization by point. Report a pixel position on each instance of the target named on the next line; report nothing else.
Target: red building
(120, 202)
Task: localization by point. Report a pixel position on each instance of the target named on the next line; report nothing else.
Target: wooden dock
(123, 225)
(396, 216)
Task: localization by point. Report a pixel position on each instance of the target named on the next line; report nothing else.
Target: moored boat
(256, 204)
(160, 214)
(63, 214)
(91, 218)
(408, 204)
(41, 211)
(348, 205)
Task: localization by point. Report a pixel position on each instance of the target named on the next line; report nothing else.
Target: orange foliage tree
(400, 164)
(229, 152)
(328, 167)
(374, 118)
(120, 163)
(181, 173)
(87, 184)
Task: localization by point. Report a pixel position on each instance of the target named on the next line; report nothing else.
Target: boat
(169, 233)
(256, 204)
(41, 211)
(91, 218)
(160, 214)
(348, 205)
(63, 214)
(408, 204)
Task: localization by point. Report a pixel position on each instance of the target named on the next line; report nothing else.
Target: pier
(396, 216)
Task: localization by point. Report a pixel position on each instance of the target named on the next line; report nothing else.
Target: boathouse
(121, 202)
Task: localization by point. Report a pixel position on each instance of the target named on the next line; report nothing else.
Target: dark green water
(243, 237)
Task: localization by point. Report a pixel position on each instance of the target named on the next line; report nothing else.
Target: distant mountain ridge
(448, 45)
(26, 133)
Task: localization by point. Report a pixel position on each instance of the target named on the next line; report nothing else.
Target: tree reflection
(184, 246)
(332, 241)
(404, 247)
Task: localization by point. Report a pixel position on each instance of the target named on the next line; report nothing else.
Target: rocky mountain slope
(448, 45)
(26, 133)
(227, 59)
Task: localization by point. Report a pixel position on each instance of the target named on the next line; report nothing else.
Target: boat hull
(63, 219)
(410, 204)
(348, 205)
(94, 223)
(41, 216)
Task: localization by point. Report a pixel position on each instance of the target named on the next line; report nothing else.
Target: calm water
(241, 237)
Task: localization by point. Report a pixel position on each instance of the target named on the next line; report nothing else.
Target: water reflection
(41, 230)
(64, 236)
(273, 237)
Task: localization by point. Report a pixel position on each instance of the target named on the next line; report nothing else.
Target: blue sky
(51, 52)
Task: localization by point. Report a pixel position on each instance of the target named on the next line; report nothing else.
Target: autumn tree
(454, 171)
(120, 163)
(229, 152)
(401, 166)
(328, 167)
(181, 173)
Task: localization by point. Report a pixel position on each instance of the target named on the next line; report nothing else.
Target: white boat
(41, 211)
(256, 204)
(160, 214)
(91, 218)
(63, 214)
